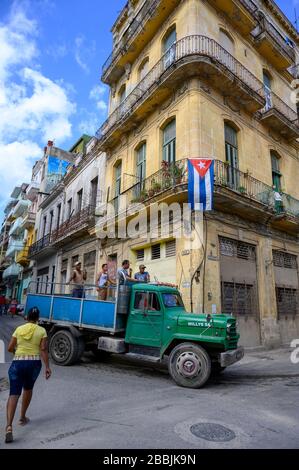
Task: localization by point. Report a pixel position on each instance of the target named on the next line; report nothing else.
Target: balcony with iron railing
(41, 246)
(75, 226)
(140, 30)
(14, 245)
(234, 192)
(280, 117)
(279, 50)
(241, 13)
(28, 220)
(190, 56)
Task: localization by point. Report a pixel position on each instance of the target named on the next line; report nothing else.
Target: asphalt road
(121, 404)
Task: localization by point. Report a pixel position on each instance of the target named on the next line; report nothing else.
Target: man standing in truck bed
(77, 279)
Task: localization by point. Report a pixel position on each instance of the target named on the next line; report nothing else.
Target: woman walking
(29, 343)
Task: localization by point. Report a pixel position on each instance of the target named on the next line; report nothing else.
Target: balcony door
(168, 48)
(169, 141)
(267, 89)
(231, 155)
(117, 170)
(140, 168)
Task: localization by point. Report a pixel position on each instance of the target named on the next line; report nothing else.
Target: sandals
(23, 421)
(8, 435)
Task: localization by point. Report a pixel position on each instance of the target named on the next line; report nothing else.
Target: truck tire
(189, 365)
(64, 348)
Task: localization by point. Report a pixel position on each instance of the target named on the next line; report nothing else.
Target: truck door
(145, 320)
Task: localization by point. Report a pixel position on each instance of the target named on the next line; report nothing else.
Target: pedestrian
(2, 304)
(142, 275)
(29, 344)
(125, 273)
(77, 279)
(13, 307)
(103, 282)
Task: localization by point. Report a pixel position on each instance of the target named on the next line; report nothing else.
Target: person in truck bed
(124, 274)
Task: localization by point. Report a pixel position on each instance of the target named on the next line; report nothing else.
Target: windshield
(172, 300)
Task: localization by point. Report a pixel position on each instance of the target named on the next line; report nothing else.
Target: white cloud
(84, 52)
(97, 94)
(33, 108)
(89, 124)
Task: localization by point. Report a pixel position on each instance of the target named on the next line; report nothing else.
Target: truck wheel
(64, 348)
(189, 365)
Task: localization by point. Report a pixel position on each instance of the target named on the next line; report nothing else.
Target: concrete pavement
(123, 404)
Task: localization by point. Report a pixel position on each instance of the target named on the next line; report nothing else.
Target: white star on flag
(202, 165)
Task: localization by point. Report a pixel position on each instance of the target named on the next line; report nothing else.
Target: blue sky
(51, 53)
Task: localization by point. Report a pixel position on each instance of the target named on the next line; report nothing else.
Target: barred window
(140, 255)
(90, 258)
(284, 260)
(238, 299)
(235, 248)
(286, 301)
(64, 264)
(170, 248)
(156, 252)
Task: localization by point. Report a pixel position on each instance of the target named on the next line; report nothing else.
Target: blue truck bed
(85, 313)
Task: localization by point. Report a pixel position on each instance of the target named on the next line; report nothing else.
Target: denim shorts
(22, 375)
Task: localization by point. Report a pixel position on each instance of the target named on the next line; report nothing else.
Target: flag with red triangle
(201, 183)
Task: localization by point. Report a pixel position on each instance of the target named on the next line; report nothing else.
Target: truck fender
(76, 333)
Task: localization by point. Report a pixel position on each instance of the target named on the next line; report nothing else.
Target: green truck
(144, 321)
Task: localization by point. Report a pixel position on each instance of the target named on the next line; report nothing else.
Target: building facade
(211, 78)
(67, 218)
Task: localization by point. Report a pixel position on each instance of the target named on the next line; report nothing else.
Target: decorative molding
(230, 105)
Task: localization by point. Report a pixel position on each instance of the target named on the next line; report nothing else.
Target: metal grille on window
(284, 260)
(64, 265)
(238, 299)
(140, 255)
(90, 258)
(286, 301)
(170, 248)
(235, 248)
(156, 252)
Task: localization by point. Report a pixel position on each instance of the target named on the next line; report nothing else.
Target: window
(170, 248)
(122, 94)
(51, 221)
(231, 154)
(58, 215)
(267, 88)
(172, 300)
(226, 41)
(143, 69)
(276, 175)
(93, 192)
(168, 47)
(238, 298)
(146, 301)
(156, 251)
(117, 186)
(287, 301)
(79, 200)
(140, 255)
(90, 259)
(169, 138)
(44, 226)
(284, 260)
(237, 249)
(69, 208)
(140, 168)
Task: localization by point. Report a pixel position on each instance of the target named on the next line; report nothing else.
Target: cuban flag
(200, 183)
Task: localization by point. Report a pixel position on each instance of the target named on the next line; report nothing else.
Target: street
(123, 404)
